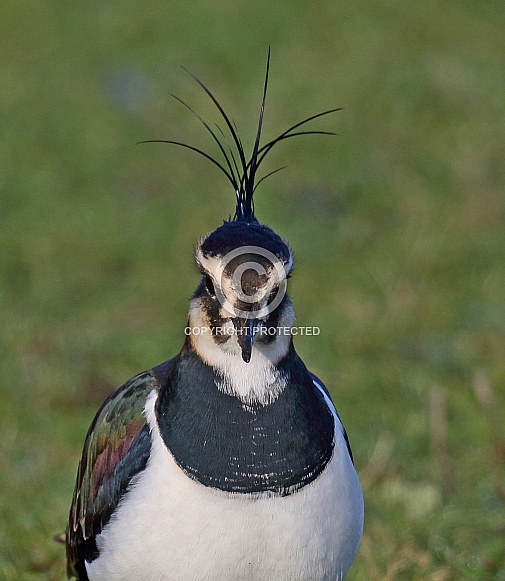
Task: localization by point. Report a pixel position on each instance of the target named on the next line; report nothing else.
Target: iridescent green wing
(117, 448)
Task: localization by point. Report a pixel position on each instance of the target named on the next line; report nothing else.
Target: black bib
(276, 448)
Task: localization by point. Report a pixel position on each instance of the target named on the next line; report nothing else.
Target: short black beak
(245, 329)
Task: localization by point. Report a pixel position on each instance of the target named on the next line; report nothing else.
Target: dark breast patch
(277, 448)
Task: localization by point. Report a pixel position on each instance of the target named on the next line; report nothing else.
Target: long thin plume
(242, 174)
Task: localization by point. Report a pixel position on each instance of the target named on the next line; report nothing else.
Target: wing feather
(116, 449)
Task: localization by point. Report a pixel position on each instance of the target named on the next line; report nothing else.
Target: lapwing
(229, 461)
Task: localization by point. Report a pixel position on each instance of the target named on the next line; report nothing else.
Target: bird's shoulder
(326, 394)
(116, 449)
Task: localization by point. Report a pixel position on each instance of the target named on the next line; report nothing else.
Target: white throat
(256, 382)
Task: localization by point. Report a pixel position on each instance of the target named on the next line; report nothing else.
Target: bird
(229, 461)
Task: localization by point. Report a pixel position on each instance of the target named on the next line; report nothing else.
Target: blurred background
(397, 226)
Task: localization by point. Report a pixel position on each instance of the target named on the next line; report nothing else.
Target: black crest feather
(242, 174)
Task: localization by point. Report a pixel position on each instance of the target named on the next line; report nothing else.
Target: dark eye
(209, 285)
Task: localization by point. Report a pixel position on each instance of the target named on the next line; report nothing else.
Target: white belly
(171, 528)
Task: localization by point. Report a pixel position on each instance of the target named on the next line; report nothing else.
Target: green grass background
(398, 226)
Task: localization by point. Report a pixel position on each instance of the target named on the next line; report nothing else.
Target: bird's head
(241, 300)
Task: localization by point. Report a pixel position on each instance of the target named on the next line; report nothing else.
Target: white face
(249, 281)
(244, 290)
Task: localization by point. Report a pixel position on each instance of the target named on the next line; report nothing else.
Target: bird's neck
(259, 381)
